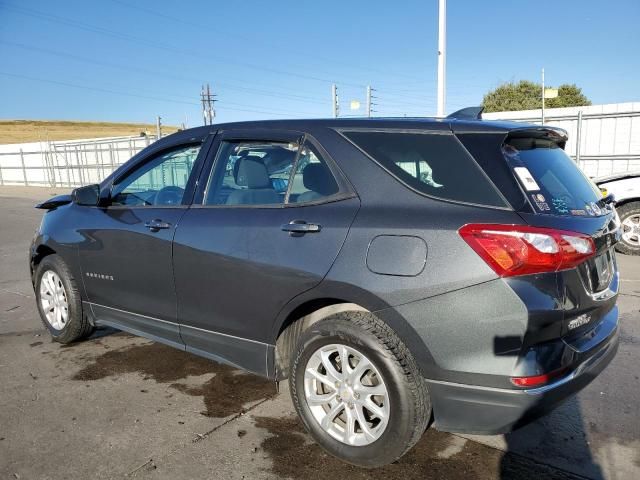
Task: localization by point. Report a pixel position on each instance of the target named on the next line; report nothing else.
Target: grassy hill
(20, 131)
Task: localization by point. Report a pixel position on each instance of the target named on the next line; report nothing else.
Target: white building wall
(610, 134)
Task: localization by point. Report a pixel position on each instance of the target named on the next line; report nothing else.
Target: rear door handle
(156, 225)
(297, 228)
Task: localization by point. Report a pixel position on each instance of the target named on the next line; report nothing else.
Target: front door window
(159, 182)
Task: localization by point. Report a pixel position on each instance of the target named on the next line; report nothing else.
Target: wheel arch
(298, 320)
(627, 200)
(39, 253)
(301, 313)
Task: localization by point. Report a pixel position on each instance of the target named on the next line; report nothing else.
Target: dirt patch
(295, 456)
(35, 344)
(228, 390)
(18, 131)
(223, 395)
(154, 361)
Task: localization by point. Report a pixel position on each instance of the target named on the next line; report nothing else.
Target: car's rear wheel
(358, 389)
(630, 228)
(59, 302)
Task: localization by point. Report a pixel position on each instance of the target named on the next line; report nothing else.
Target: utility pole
(369, 102)
(335, 101)
(442, 55)
(208, 100)
(543, 96)
(159, 128)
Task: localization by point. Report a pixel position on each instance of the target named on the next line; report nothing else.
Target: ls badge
(579, 321)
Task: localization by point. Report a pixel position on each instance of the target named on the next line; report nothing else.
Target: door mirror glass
(87, 196)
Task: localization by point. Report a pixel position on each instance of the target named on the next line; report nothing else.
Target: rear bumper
(488, 411)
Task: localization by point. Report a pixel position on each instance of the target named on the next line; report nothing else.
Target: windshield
(552, 181)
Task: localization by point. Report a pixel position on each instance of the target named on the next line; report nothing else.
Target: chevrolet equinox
(399, 272)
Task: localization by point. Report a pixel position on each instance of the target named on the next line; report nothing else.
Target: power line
(168, 47)
(127, 94)
(161, 46)
(159, 73)
(209, 28)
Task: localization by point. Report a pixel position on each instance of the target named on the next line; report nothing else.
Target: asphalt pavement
(118, 406)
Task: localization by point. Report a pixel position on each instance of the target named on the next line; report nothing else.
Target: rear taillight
(538, 380)
(512, 250)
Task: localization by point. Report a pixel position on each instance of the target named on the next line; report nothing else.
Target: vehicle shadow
(558, 440)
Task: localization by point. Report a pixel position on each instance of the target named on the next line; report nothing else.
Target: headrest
(252, 173)
(318, 178)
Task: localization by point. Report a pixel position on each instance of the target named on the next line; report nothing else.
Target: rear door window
(552, 181)
(251, 173)
(269, 173)
(312, 180)
(434, 164)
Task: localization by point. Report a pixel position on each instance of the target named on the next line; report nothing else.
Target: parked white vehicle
(626, 189)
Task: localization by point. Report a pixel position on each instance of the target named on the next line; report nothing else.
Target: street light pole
(442, 55)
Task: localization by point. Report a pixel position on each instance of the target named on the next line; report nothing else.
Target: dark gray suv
(397, 271)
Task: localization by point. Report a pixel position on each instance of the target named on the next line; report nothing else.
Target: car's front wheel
(358, 389)
(630, 227)
(59, 301)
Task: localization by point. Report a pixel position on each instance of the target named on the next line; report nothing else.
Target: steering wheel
(170, 195)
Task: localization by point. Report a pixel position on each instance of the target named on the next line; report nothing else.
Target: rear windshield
(552, 181)
(433, 164)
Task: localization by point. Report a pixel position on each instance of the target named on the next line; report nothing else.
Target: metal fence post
(578, 137)
(111, 159)
(24, 170)
(67, 166)
(50, 161)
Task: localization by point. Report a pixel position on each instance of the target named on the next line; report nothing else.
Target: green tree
(526, 95)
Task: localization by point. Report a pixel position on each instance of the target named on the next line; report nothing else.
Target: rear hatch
(560, 196)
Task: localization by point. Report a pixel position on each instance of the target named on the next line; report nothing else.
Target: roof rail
(469, 113)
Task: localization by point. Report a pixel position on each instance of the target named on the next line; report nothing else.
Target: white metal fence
(68, 163)
(603, 139)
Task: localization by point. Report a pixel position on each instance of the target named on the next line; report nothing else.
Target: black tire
(408, 396)
(77, 325)
(626, 211)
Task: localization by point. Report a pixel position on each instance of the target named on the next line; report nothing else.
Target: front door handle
(297, 228)
(157, 225)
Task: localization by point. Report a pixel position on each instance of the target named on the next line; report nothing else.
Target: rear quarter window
(434, 164)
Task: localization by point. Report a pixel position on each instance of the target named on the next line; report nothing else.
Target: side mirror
(87, 196)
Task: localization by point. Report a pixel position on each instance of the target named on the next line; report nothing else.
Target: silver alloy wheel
(631, 230)
(346, 395)
(53, 300)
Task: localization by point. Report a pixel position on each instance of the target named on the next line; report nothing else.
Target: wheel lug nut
(350, 405)
(356, 395)
(338, 398)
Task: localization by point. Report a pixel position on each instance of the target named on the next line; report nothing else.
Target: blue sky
(130, 60)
